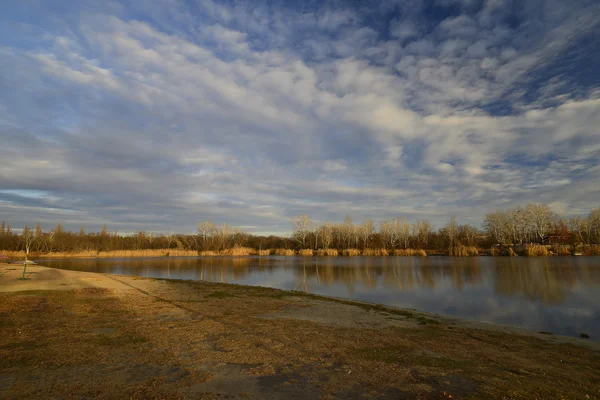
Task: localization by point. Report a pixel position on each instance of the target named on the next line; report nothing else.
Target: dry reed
(375, 252)
(327, 252)
(590, 250)
(410, 253)
(351, 252)
(266, 252)
(305, 252)
(238, 251)
(463, 251)
(560, 250)
(284, 252)
(536, 250)
(208, 253)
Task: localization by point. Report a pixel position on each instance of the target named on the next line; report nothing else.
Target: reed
(375, 252)
(511, 252)
(284, 252)
(536, 250)
(494, 252)
(410, 253)
(208, 253)
(265, 252)
(351, 252)
(590, 250)
(327, 252)
(463, 251)
(238, 251)
(560, 250)
(305, 252)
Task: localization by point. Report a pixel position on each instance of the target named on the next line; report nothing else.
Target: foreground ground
(78, 335)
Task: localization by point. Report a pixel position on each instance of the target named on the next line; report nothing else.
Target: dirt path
(67, 334)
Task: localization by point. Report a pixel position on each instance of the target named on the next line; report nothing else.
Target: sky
(156, 115)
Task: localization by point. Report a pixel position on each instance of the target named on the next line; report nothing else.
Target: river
(545, 294)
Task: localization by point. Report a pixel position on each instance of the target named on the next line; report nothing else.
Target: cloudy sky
(155, 115)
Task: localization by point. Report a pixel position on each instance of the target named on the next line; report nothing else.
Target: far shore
(244, 251)
(153, 338)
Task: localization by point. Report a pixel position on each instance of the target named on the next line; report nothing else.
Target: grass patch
(220, 295)
(380, 354)
(27, 345)
(436, 362)
(120, 340)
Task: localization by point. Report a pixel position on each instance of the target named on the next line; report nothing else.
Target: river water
(550, 294)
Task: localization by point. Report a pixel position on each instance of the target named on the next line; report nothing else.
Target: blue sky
(155, 115)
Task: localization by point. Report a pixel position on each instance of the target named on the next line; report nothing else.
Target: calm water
(555, 294)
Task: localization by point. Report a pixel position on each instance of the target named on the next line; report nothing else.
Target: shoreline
(13, 257)
(220, 337)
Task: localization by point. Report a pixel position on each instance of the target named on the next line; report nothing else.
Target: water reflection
(559, 294)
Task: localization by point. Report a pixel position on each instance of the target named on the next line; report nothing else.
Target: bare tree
(28, 239)
(594, 224)
(205, 230)
(366, 231)
(302, 228)
(451, 232)
(422, 229)
(389, 232)
(496, 225)
(540, 218)
(326, 234)
(467, 234)
(582, 229)
(404, 232)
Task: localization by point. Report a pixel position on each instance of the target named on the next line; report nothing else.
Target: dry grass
(305, 252)
(208, 340)
(351, 252)
(590, 250)
(536, 250)
(107, 254)
(511, 252)
(560, 250)
(285, 252)
(410, 253)
(494, 252)
(209, 253)
(239, 251)
(464, 251)
(375, 252)
(266, 252)
(79, 254)
(327, 252)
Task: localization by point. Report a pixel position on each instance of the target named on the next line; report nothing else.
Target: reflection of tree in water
(541, 279)
(534, 279)
(404, 273)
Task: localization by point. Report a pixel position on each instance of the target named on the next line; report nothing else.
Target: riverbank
(462, 251)
(92, 335)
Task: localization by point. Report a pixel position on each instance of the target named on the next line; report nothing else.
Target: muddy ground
(67, 334)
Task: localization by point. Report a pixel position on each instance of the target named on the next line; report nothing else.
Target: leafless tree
(467, 234)
(540, 218)
(28, 239)
(451, 231)
(366, 231)
(389, 232)
(302, 226)
(422, 229)
(205, 230)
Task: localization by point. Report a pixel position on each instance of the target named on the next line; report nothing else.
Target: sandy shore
(68, 334)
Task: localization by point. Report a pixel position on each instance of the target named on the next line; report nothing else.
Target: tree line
(533, 223)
